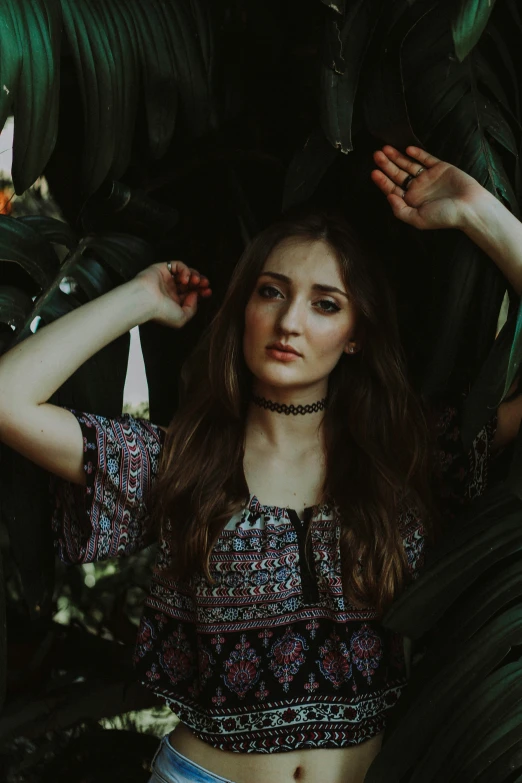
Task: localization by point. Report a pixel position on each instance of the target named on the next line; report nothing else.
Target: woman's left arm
(439, 195)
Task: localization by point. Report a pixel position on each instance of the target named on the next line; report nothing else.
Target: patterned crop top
(270, 658)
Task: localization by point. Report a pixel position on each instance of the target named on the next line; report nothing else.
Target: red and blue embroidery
(242, 668)
(366, 647)
(288, 656)
(335, 662)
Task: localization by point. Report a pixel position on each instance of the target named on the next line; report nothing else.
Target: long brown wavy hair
(377, 439)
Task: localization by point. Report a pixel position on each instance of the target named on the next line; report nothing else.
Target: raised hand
(436, 197)
(174, 297)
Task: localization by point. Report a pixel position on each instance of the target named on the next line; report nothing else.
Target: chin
(281, 377)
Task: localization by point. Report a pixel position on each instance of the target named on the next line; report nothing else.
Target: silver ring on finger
(419, 171)
(169, 266)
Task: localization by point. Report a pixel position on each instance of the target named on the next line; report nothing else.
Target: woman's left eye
(334, 307)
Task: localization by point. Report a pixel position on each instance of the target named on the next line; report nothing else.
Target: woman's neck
(285, 434)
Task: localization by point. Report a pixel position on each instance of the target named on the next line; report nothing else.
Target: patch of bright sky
(6, 148)
(136, 389)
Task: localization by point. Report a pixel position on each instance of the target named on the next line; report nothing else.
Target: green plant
(221, 113)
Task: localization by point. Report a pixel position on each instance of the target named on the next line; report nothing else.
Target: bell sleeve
(108, 517)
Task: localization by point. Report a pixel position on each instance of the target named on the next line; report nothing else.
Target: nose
(291, 316)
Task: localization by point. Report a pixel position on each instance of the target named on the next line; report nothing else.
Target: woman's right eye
(263, 288)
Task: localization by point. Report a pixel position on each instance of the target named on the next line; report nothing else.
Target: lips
(285, 348)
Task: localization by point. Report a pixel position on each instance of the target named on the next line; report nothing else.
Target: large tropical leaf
(94, 62)
(124, 254)
(488, 391)
(20, 244)
(192, 47)
(168, 46)
(469, 21)
(159, 72)
(486, 533)
(36, 100)
(122, 36)
(457, 117)
(11, 52)
(345, 44)
(497, 693)
(55, 231)
(15, 306)
(386, 110)
(444, 692)
(307, 168)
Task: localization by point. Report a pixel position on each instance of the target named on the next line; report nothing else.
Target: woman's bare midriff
(314, 765)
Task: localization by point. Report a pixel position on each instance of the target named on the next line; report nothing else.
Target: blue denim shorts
(171, 766)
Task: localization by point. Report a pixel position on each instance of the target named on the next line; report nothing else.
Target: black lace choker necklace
(287, 409)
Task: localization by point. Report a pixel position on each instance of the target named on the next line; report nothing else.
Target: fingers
(406, 163)
(187, 278)
(189, 305)
(396, 166)
(385, 184)
(424, 157)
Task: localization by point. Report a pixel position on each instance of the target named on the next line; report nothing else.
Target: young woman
(290, 494)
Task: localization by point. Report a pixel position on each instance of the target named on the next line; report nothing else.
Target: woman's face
(287, 306)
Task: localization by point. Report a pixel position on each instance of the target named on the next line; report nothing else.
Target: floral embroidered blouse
(270, 658)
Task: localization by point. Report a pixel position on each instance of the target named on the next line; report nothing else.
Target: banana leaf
(36, 100)
(51, 229)
(20, 244)
(483, 601)
(158, 69)
(123, 253)
(344, 49)
(487, 391)
(384, 99)
(94, 64)
(189, 42)
(307, 168)
(499, 691)
(501, 740)
(470, 18)
(502, 768)
(442, 694)
(459, 119)
(489, 532)
(15, 306)
(11, 51)
(122, 35)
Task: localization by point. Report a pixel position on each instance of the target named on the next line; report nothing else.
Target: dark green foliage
(222, 113)
(470, 18)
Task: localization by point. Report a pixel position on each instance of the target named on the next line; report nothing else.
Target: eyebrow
(316, 286)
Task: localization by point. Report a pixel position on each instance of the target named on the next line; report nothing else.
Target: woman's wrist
(493, 228)
(475, 212)
(142, 306)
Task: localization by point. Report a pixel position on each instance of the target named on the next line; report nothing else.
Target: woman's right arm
(32, 371)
